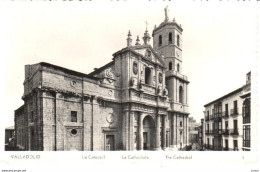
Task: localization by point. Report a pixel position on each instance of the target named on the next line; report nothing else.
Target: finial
(137, 41)
(166, 11)
(173, 20)
(129, 34)
(129, 40)
(154, 26)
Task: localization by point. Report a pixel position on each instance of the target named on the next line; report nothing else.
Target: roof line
(225, 96)
(67, 70)
(101, 68)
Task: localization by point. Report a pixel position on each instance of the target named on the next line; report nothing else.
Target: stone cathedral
(138, 101)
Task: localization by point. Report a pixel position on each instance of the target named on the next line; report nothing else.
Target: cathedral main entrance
(148, 133)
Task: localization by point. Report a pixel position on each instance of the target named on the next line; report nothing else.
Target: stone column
(96, 132)
(172, 132)
(164, 132)
(157, 141)
(125, 130)
(140, 125)
(131, 131)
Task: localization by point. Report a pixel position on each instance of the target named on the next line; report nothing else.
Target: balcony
(246, 119)
(225, 114)
(225, 132)
(177, 74)
(234, 112)
(217, 132)
(234, 132)
(148, 88)
(218, 115)
(211, 117)
(246, 143)
(207, 118)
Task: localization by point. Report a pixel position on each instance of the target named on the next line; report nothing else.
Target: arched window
(170, 38)
(180, 94)
(178, 40)
(170, 65)
(148, 76)
(160, 40)
(178, 67)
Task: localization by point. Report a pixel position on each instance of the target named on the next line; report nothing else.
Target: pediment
(149, 54)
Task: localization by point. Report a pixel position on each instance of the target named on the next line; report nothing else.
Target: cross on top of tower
(146, 24)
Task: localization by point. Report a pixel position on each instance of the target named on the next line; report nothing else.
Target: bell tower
(167, 40)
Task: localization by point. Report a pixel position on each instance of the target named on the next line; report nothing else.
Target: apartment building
(227, 120)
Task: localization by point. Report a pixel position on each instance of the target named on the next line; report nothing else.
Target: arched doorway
(148, 133)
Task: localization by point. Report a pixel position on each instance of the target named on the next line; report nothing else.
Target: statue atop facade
(166, 10)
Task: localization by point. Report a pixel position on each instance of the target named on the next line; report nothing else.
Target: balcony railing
(211, 117)
(225, 114)
(207, 118)
(148, 88)
(225, 132)
(219, 115)
(234, 112)
(234, 132)
(246, 143)
(235, 149)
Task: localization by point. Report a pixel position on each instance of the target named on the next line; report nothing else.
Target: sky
(219, 41)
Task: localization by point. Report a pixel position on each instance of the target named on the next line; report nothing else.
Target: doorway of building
(110, 142)
(145, 140)
(148, 133)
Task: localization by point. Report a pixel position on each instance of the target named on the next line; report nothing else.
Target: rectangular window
(226, 125)
(226, 109)
(235, 107)
(246, 136)
(73, 116)
(226, 144)
(235, 145)
(235, 125)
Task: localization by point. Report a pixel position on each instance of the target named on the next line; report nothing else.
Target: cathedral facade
(138, 101)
